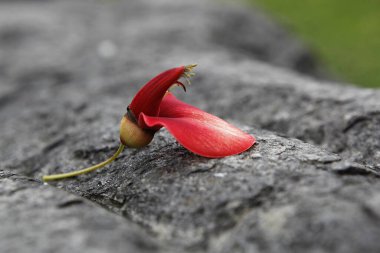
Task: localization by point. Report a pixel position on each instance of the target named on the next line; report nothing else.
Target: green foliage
(345, 34)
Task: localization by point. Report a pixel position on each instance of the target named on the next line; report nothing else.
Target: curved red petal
(198, 131)
(148, 98)
(173, 108)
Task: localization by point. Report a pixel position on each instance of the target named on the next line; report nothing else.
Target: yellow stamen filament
(188, 73)
(189, 68)
(86, 170)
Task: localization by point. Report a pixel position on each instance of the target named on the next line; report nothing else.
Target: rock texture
(339, 118)
(40, 218)
(69, 68)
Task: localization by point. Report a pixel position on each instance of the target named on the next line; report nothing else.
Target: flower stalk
(86, 170)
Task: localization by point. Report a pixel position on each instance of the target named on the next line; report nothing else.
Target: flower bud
(131, 135)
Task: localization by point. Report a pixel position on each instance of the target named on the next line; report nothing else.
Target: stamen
(188, 73)
(189, 68)
(187, 80)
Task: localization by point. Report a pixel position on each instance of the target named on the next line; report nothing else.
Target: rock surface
(40, 218)
(69, 68)
(342, 119)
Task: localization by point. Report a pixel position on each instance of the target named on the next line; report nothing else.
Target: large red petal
(198, 131)
(148, 98)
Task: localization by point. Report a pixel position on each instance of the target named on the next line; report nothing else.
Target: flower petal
(148, 98)
(198, 131)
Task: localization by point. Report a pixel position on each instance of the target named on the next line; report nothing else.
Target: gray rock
(40, 218)
(280, 196)
(68, 69)
(340, 118)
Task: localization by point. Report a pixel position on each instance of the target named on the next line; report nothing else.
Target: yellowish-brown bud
(131, 135)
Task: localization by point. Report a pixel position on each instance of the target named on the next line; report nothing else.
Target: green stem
(86, 170)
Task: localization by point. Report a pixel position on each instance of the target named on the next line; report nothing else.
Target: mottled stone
(340, 118)
(40, 218)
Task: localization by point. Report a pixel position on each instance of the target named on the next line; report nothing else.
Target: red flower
(155, 107)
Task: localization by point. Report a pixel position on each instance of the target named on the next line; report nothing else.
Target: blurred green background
(345, 35)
